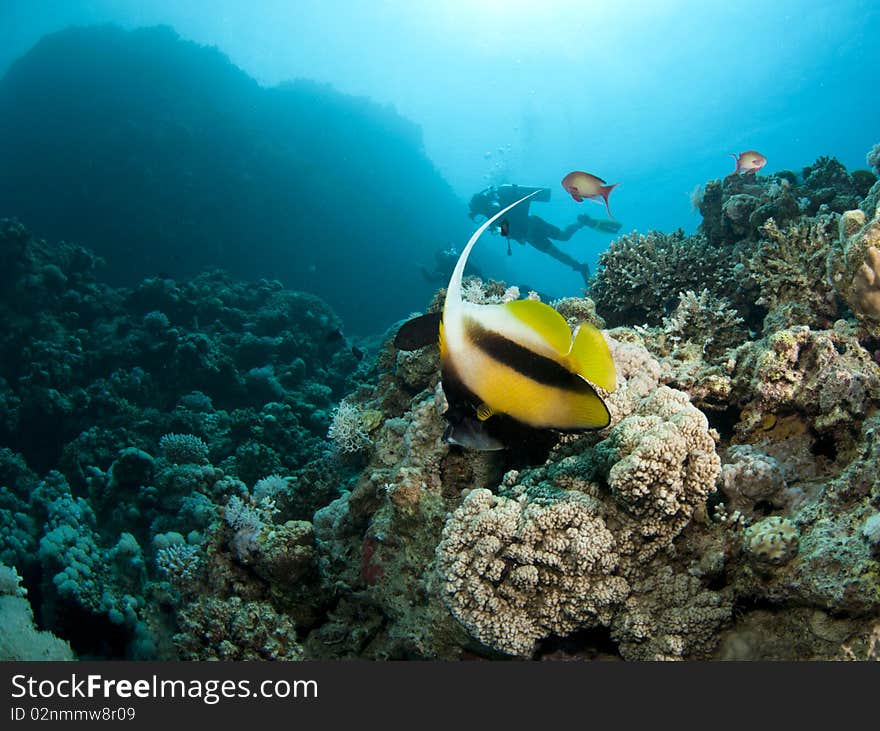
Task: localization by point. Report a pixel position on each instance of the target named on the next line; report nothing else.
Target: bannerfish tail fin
(589, 410)
(591, 358)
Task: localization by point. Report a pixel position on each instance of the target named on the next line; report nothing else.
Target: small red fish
(584, 185)
(749, 161)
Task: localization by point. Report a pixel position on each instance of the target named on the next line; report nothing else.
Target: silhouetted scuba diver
(444, 263)
(534, 230)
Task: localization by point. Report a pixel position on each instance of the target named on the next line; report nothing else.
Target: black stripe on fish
(532, 365)
(456, 392)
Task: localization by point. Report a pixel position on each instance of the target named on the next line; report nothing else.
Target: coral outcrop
(560, 547)
(516, 570)
(854, 267)
(639, 276)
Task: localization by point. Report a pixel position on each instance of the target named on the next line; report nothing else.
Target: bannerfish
(749, 161)
(584, 185)
(521, 360)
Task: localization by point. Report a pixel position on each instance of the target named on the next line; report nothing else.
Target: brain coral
(558, 550)
(773, 540)
(516, 571)
(664, 461)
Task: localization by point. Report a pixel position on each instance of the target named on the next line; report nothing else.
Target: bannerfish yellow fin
(590, 357)
(589, 411)
(544, 320)
(484, 411)
(442, 341)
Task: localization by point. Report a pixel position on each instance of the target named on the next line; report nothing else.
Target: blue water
(653, 95)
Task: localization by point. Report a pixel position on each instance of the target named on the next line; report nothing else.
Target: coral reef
(123, 400)
(669, 616)
(236, 630)
(205, 470)
(735, 209)
(751, 478)
(789, 270)
(707, 322)
(821, 378)
(559, 548)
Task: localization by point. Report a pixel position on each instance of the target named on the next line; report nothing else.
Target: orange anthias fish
(584, 185)
(749, 161)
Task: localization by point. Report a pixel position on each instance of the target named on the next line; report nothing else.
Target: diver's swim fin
(418, 332)
(611, 227)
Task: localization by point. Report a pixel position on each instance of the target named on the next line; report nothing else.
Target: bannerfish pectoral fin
(591, 358)
(484, 411)
(418, 332)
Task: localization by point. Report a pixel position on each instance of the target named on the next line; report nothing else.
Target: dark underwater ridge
(207, 466)
(168, 159)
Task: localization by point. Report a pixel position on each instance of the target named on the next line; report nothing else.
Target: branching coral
(233, 629)
(346, 429)
(670, 616)
(183, 449)
(789, 269)
(661, 463)
(640, 275)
